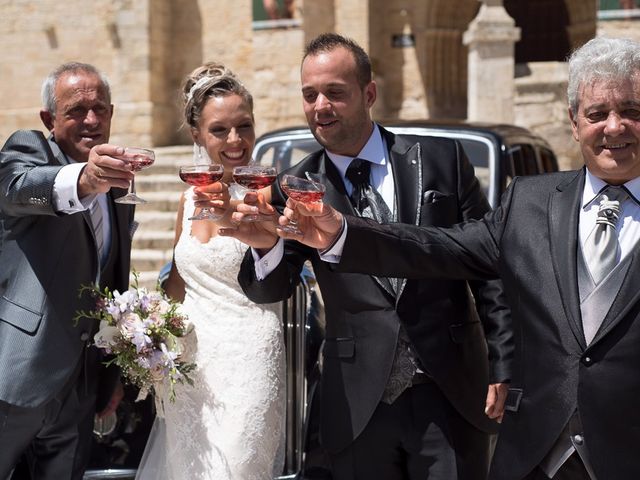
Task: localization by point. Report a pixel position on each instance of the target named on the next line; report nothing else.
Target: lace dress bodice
(229, 425)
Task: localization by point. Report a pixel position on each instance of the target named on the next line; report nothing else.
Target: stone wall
(38, 35)
(541, 105)
(146, 47)
(275, 80)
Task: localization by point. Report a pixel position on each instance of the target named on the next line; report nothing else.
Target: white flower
(106, 336)
(130, 324)
(127, 301)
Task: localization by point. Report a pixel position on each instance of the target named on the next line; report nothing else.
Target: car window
(284, 153)
(478, 154)
(548, 160)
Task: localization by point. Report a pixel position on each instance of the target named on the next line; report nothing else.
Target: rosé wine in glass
(200, 179)
(200, 176)
(254, 178)
(303, 190)
(139, 159)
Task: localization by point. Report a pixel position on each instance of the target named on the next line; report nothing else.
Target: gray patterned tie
(601, 248)
(366, 199)
(97, 220)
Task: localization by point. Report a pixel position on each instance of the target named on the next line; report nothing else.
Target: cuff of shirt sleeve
(65, 190)
(333, 254)
(268, 263)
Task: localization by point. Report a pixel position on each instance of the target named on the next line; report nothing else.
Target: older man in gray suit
(59, 229)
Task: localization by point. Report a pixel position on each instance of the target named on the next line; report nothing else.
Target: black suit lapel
(564, 207)
(406, 162)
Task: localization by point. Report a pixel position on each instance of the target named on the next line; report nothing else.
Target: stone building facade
(146, 47)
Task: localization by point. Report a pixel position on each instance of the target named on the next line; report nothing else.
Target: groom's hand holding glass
(319, 223)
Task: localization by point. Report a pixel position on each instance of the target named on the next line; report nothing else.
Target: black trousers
(55, 437)
(419, 437)
(572, 469)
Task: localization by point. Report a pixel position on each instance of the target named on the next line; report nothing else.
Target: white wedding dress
(230, 424)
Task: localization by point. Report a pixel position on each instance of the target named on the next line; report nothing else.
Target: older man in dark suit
(59, 229)
(565, 246)
(402, 398)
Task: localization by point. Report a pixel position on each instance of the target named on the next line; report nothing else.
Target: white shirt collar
(593, 185)
(373, 151)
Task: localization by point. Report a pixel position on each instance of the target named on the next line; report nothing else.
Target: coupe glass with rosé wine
(305, 190)
(138, 158)
(254, 178)
(199, 176)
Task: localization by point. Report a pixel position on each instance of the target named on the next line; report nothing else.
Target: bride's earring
(200, 155)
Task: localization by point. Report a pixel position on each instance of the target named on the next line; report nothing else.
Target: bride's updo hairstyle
(207, 81)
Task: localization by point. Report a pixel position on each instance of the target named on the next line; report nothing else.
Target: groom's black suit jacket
(435, 185)
(531, 241)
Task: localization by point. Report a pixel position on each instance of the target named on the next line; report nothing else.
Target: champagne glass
(305, 190)
(253, 178)
(200, 175)
(105, 425)
(138, 158)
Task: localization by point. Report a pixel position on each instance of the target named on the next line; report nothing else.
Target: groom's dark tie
(366, 199)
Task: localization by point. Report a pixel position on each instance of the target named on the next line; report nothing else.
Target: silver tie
(97, 220)
(601, 248)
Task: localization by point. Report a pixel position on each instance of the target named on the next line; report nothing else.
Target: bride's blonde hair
(207, 81)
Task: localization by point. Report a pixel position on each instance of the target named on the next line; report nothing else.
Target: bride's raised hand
(259, 235)
(215, 195)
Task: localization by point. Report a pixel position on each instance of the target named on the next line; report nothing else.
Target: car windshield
(285, 151)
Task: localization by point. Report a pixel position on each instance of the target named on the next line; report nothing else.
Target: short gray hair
(601, 59)
(49, 99)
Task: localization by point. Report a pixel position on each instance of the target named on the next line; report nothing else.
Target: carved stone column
(491, 37)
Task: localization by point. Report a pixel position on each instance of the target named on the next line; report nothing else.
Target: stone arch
(445, 65)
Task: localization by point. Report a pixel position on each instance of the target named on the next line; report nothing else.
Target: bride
(229, 424)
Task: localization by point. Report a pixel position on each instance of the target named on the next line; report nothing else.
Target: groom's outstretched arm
(466, 251)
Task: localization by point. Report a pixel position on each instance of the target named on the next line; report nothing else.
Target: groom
(401, 397)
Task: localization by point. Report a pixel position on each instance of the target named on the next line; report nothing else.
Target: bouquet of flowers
(142, 330)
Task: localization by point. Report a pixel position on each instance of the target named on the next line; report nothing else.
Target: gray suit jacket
(45, 258)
